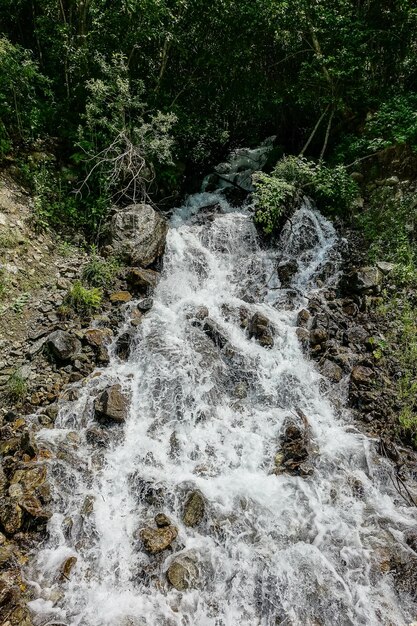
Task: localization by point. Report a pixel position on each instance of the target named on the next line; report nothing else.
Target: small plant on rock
(16, 386)
(82, 300)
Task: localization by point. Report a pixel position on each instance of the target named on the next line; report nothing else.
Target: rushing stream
(273, 548)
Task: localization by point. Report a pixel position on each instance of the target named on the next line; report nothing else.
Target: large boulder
(62, 345)
(138, 234)
(111, 405)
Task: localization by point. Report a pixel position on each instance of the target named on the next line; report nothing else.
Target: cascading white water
(272, 549)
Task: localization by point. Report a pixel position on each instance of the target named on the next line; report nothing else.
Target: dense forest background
(122, 100)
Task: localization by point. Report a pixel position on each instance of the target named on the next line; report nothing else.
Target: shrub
(331, 188)
(22, 94)
(395, 122)
(99, 272)
(16, 386)
(272, 196)
(120, 141)
(389, 226)
(83, 301)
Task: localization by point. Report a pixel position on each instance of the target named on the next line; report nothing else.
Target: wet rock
(123, 345)
(11, 516)
(119, 297)
(362, 375)
(303, 336)
(142, 280)
(162, 520)
(261, 329)
(67, 567)
(97, 437)
(350, 308)
(7, 557)
(201, 313)
(157, 540)
(293, 456)
(146, 491)
(98, 337)
(102, 356)
(111, 405)
(240, 391)
(213, 331)
(194, 509)
(318, 336)
(28, 444)
(62, 345)
(32, 505)
(303, 318)
(286, 272)
(183, 573)
(145, 305)
(88, 505)
(332, 371)
(138, 234)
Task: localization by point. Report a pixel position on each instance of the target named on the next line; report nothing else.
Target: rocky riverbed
(47, 357)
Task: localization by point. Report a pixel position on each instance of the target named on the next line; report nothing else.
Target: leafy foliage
(394, 122)
(389, 226)
(82, 300)
(331, 188)
(100, 272)
(272, 196)
(23, 90)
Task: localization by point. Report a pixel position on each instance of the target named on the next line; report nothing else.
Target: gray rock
(364, 280)
(145, 305)
(138, 234)
(62, 345)
(385, 267)
(213, 331)
(332, 371)
(111, 405)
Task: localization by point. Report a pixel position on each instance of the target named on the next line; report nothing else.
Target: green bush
(99, 272)
(331, 188)
(83, 301)
(273, 197)
(16, 386)
(394, 122)
(389, 226)
(23, 93)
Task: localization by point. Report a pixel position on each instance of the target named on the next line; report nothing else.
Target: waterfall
(208, 408)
